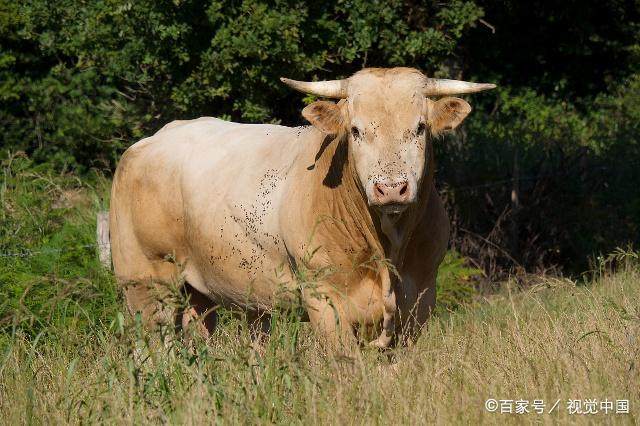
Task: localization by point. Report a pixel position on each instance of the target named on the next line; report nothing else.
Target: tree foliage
(85, 79)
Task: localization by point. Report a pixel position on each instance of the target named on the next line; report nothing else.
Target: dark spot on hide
(325, 143)
(333, 179)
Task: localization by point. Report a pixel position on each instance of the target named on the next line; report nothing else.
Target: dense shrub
(80, 81)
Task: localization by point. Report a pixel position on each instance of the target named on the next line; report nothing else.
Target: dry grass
(553, 341)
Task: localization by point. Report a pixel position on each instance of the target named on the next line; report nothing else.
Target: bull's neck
(337, 200)
(397, 231)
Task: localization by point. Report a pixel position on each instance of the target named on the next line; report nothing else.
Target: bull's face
(389, 122)
(387, 131)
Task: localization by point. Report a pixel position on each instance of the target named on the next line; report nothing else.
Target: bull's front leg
(416, 302)
(329, 319)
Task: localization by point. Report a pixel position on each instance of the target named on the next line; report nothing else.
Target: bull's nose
(395, 192)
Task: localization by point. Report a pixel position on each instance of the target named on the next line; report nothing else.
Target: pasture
(71, 354)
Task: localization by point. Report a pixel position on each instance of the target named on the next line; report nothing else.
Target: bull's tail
(102, 239)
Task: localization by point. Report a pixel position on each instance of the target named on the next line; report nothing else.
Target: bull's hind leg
(200, 309)
(152, 290)
(145, 282)
(157, 290)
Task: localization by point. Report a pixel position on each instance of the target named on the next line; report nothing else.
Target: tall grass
(553, 341)
(68, 353)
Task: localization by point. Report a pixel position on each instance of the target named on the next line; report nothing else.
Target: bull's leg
(142, 279)
(200, 309)
(150, 288)
(415, 309)
(154, 289)
(426, 301)
(259, 325)
(329, 321)
(259, 329)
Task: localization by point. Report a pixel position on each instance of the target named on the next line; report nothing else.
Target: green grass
(49, 272)
(68, 354)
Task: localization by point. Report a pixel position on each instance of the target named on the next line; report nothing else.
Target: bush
(455, 283)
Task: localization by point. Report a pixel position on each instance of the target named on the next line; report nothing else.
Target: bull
(241, 211)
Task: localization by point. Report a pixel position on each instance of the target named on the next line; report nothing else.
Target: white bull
(242, 210)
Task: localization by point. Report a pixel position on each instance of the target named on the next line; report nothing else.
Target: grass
(68, 354)
(49, 271)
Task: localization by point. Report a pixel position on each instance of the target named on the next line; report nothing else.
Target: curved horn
(441, 86)
(328, 89)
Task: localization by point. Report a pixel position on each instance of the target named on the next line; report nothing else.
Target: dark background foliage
(544, 174)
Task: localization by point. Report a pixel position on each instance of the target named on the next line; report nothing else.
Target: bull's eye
(420, 129)
(355, 132)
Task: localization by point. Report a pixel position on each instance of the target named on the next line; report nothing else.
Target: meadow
(70, 353)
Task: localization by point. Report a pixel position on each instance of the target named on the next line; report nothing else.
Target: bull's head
(389, 121)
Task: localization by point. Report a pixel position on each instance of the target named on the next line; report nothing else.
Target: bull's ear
(325, 116)
(446, 113)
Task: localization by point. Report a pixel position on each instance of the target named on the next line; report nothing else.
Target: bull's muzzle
(386, 193)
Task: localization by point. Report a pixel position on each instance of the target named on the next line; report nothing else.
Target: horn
(328, 89)
(441, 86)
